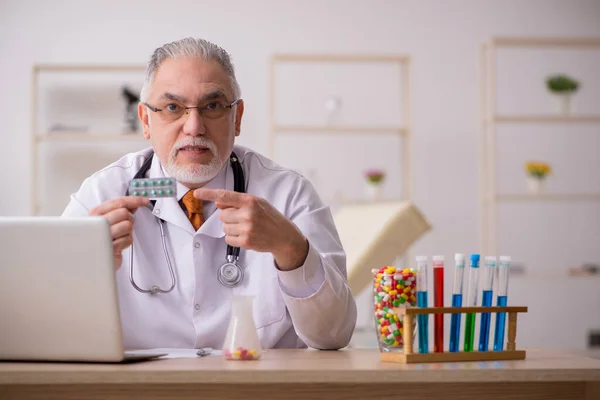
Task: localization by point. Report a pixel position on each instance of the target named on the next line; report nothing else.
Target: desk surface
(308, 366)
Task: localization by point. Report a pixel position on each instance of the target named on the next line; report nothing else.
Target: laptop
(58, 294)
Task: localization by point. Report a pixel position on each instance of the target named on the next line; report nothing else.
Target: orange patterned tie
(194, 209)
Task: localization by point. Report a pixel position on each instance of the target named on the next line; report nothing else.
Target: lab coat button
(197, 307)
(197, 245)
(157, 212)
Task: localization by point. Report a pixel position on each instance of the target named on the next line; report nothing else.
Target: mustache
(209, 144)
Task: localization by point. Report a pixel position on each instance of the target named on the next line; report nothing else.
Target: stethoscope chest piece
(155, 289)
(230, 273)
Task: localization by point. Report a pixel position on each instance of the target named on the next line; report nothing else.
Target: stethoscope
(230, 273)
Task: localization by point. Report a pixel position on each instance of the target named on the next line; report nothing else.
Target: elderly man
(174, 289)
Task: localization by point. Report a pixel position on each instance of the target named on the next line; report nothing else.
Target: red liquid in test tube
(438, 301)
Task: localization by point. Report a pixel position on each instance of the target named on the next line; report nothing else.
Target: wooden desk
(308, 374)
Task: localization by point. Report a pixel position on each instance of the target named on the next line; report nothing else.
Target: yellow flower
(538, 169)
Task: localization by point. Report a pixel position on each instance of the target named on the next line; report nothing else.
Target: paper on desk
(176, 353)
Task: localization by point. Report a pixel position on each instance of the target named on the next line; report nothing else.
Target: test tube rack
(408, 356)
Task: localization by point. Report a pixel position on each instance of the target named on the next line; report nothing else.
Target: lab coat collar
(169, 209)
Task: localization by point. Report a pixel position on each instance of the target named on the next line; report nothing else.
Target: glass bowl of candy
(392, 288)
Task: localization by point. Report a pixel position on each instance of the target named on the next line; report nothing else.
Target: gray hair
(189, 47)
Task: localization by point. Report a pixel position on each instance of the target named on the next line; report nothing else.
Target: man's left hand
(252, 223)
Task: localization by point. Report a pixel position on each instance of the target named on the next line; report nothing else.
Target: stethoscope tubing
(230, 273)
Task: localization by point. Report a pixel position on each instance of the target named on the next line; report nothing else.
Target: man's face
(191, 147)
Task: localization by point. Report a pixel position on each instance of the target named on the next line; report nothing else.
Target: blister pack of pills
(153, 188)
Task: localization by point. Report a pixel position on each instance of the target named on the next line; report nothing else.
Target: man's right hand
(119, 213)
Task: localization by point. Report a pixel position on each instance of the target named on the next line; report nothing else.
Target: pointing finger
(223, 198)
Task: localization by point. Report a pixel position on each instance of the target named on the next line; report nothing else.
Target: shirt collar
(170, 210)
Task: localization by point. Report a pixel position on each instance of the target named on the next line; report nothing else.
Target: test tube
(502, 301)
(486, 301)
(471, 302)
(438, 301)
(422, 319)
(457, 294)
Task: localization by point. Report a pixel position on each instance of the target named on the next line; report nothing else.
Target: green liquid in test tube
(471, 302)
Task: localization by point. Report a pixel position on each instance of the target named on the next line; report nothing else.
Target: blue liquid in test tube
(502, 301)
(457, 294)
(422, 319)
(486, 301)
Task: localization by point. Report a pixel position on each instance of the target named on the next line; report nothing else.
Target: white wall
(442, 37)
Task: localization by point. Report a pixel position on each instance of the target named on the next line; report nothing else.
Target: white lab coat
(310, 306)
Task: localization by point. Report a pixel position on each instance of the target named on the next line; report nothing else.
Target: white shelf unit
(39, 138)
(402, 131)
(489, 195)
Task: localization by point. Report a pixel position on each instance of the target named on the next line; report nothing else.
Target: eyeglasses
(171, 112)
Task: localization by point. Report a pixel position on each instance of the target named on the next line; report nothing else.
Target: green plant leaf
(561, 83)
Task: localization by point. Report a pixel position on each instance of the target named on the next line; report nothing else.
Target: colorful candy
(392, 288)
(241, 354)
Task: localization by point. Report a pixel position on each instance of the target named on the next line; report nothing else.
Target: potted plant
(537, 171)
(375, 178)
(563, 86)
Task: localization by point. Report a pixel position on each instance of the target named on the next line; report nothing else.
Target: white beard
(195, 173)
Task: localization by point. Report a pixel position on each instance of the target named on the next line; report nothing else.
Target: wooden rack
(409, 357)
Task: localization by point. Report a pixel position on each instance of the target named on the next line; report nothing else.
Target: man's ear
(144, 119)
(239, 111)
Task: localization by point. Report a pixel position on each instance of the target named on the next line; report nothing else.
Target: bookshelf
(491, 120)
(91, 142)
(403, 131)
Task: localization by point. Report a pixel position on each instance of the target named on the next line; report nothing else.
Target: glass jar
(242, 342)
(392, 288)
